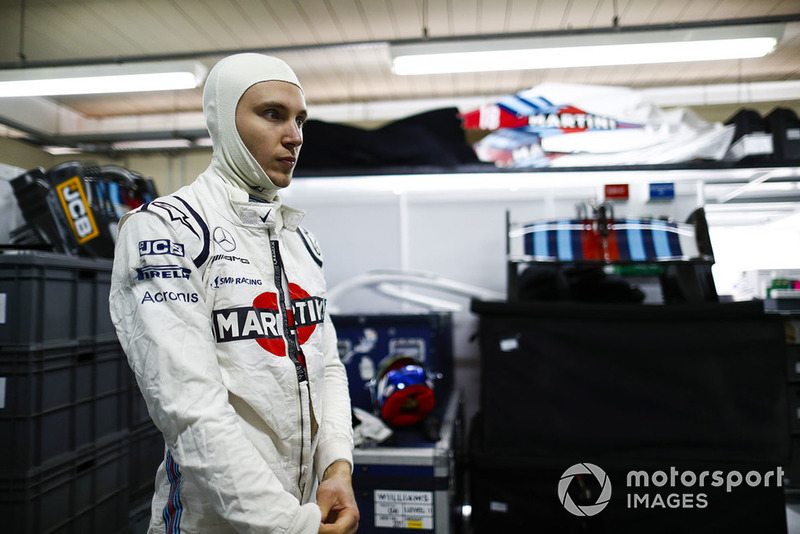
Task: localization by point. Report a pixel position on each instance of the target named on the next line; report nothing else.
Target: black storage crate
(86, 493)
(50, 299)
(139, 517)
(60, 400)
(147, 453)
(139, 415)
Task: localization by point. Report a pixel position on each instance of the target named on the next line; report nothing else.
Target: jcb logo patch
(76, 206)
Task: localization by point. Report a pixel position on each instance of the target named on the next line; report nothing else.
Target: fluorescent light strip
(124, 78)
(151, 144)
(583, 56)
(61, 150)
(163, 81)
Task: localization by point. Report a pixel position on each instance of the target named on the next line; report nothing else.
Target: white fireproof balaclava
(225, 85)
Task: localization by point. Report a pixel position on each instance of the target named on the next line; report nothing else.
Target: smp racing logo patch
(76, 207)
(262, 322)
(220, 281)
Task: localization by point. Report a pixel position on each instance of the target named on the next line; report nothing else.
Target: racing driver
(218, 299)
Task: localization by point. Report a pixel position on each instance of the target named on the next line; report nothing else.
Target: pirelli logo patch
(76, 207)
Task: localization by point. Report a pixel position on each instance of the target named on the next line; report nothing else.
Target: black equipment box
(702, 381)
(74, 208)
(785, 128)
(629, 388)
(415, 484)
(367, 340)
(515, 493)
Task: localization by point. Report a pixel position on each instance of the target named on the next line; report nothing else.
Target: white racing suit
(220, 307)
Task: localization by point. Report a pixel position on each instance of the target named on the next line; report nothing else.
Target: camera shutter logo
(584, 469)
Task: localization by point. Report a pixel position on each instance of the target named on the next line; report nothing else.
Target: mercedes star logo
(223, 238)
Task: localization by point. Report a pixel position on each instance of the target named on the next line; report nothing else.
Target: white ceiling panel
(265, 26)
(303, 31)
(406, 18)
(348, 18)
(142, 31)
(546, 15)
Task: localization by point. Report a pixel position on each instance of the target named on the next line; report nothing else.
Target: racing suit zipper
(292, 350)
(291, 340)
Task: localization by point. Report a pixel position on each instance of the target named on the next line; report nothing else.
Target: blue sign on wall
(662, 191)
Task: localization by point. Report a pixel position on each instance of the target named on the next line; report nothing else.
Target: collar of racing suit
(225, 85)
(273, 215)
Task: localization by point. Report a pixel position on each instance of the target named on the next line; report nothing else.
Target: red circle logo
(269, 301)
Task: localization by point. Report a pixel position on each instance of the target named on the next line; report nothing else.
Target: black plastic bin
(147, 453)
(58, 401)
(50, 299)
(88, 492)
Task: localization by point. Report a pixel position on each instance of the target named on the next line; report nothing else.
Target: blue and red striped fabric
(173, 508)
(625, 240)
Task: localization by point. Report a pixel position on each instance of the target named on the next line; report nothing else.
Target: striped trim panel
(203, 256)
(627, 240)
(173, 509)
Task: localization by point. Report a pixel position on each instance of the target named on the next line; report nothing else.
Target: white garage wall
(452, 226)
(771, 246)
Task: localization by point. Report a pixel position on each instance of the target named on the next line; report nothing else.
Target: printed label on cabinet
(404, 509)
